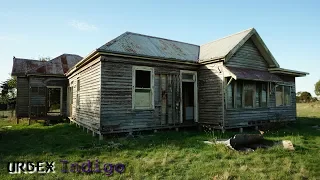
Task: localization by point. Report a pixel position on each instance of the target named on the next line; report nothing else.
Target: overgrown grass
(165, 155)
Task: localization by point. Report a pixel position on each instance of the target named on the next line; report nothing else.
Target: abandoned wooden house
(140, 82)
(42, 85)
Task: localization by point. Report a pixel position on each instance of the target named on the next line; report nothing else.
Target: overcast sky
(31, 29)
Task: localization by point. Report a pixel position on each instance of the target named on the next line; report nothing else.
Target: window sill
(143, 109)
(248, 109)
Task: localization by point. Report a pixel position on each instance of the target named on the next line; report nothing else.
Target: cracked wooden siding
(116, 93)
(210, 80)
(88, 111)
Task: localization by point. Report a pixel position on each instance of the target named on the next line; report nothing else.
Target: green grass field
(165, 155)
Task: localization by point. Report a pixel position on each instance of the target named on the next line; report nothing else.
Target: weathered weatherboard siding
(88, 111)
(210, 84)
(116, 94)
(248, 56)
(255, 116)
(22, 108)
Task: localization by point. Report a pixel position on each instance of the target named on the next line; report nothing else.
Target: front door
(189, 97)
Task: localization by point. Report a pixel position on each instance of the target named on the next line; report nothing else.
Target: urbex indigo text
(92, 167)
(30, 167)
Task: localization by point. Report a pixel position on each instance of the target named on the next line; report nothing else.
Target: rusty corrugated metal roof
(143, 45)
(56, 66)
(252, 74)
(22, 66)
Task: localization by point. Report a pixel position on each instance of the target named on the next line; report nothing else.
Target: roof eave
(288, 72)
(211, 60)
(80, 63)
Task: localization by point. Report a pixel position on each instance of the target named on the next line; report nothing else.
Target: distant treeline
(305, 97)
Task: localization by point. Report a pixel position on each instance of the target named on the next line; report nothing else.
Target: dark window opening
(143, 79)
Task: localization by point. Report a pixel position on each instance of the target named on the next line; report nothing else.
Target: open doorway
(54, 100)
(189, 97)
(188, 101)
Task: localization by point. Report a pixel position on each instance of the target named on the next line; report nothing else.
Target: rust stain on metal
(64, 63)
(41, 70)
(140, 44)
(58, 65)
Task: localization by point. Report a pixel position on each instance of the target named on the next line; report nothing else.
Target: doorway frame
(195, 86)
(61, 95)
(70, 100)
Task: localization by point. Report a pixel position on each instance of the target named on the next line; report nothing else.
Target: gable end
(248, 56)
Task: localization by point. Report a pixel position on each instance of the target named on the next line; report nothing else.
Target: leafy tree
(317, 88)
(8, 90)
(44, 58)
(299, 93)
(305, 97)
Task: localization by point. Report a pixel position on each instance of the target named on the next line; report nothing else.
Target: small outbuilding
(42, 86)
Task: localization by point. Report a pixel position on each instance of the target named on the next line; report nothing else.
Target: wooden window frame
(283, 97)
(235, 88)
(142, 68)
(61, 95)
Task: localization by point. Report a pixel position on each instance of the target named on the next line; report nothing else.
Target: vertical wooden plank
(169, 101)
(167, 98)
(163, 99)
(29, 103)
(173, 105)
(178, 99)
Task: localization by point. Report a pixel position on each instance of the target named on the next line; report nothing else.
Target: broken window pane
(143, 79)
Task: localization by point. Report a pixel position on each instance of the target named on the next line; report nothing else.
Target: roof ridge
(26, 59)
(128, 32)
(250, 29)
(112, 41)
